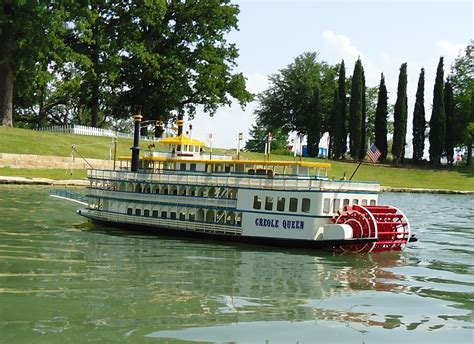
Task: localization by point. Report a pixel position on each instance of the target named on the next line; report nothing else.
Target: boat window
(372, 202)
(257, 202)
(165, 190)
(356, 201)
(305, 205)
(192, 167)
(146, 212)
(138, 212)
(268, 203)
(238, 219)
(129, 211)
(155, 213)
(336, 205)
(293, 204)
(175, 191)
(182, 216)
(345, 202)
(192, 217)
(364, 202)
(173, 215)
(164, 214)
(182, 167)
(326, 205)
(281, 203)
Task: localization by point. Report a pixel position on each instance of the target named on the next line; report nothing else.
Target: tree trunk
(6, 75)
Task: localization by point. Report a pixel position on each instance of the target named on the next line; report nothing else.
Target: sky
(384, 34)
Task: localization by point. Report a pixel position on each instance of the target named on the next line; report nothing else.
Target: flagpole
(360, 163)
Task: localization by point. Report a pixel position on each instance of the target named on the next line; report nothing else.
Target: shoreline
(10, 180)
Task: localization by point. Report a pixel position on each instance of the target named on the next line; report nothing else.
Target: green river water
(63, 280)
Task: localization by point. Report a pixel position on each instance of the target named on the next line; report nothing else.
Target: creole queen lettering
(273, 223)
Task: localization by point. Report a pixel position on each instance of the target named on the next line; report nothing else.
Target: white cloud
(450, 49)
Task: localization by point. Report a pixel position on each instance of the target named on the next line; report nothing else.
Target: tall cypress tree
(438, 117)
(400, 117)
(450, 131)
(363, 146)
(381, 120)
(341, 89)
(419, 123)
(355, 110)
(335, 128)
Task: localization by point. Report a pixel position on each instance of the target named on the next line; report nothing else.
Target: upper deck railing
(278, 182)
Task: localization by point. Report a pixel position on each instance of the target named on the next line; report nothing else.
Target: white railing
(183, 200)
(166, 223)
(285, 183)
(91, 131)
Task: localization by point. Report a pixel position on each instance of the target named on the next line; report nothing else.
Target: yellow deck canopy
(181, 140)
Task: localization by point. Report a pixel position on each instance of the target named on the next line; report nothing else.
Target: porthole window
(326, 205)
(268, 203)
(293, 204)
(257, 202)
(281, 203)
(305, 205)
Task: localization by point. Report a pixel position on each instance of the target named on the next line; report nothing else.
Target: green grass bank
(22, 141)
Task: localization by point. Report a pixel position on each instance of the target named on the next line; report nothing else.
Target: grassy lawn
(56, 174)
(22, 141)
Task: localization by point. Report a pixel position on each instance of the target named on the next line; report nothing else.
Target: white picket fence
(91, 131)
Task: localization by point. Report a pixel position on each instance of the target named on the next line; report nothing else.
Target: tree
(258, 134)
(363, 124)
(449, 110)
(381, 114)
(438, 117)
(462, 81)
(342, 107)
(295, 102)
(176, 57)
(28, 35)
(335, 128)
(355, 109)
(419, 123)
(400, 117)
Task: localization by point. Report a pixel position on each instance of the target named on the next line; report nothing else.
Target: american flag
(374, 153)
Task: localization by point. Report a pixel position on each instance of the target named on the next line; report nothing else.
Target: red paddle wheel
(387, 225)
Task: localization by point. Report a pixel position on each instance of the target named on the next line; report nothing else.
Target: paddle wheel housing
(387, 225)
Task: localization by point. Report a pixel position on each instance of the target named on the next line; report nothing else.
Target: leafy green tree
(258, 134)
(419, 122)
(342, 108)
(176, 56)
(400, 117)
(438, 117)
(335, 127)
(294, 101)
(449, 110)
(363, 129)
(29, 44)
(356, 108)
(381, 114)
(462, 81)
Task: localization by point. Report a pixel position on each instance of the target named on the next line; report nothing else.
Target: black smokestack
(180, 122)
(136, 142)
